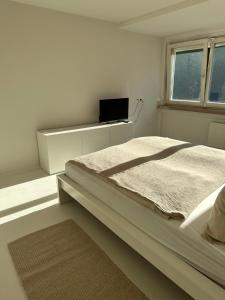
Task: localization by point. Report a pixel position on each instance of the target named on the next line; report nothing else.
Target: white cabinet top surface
(83, 127)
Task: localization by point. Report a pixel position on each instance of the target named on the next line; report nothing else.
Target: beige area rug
(62, 262)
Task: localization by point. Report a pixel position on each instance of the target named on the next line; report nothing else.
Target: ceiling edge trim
(160, 12)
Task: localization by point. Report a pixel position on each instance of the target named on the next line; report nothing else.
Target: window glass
(217, 82)
(187, 75)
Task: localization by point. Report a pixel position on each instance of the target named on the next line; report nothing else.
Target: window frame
(213, 42)
(171, 50)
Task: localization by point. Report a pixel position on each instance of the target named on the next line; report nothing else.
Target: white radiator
(216, 137)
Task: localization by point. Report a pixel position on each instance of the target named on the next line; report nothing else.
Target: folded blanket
(169, 176)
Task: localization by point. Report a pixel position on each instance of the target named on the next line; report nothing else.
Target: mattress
(182, 237)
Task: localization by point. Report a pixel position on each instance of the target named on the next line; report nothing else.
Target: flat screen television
(112, 110)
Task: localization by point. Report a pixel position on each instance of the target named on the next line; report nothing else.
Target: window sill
(206, 110)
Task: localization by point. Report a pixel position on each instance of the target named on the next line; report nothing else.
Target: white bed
(184, 238)
(175, 247)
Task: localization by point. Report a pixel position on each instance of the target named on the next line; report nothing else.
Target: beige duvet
(169, 176)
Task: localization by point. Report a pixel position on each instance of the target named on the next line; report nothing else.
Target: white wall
(55, 66)
(187, 126)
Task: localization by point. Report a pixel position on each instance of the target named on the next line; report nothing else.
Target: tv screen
(113, 109)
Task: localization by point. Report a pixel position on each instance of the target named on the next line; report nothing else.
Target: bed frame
(186, 277)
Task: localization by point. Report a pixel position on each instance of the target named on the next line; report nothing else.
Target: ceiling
(153, 17)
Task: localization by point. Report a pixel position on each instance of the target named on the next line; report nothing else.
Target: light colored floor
(23, 190)
(24, 218)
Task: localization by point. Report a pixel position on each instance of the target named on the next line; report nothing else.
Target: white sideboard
(57, 146)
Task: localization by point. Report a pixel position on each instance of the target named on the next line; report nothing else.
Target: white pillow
(216, 223)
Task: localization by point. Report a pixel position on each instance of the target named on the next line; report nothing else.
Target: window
(187, 75)
(216, 84)
(196, 73)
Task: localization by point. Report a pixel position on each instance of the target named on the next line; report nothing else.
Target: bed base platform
(185, 276)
